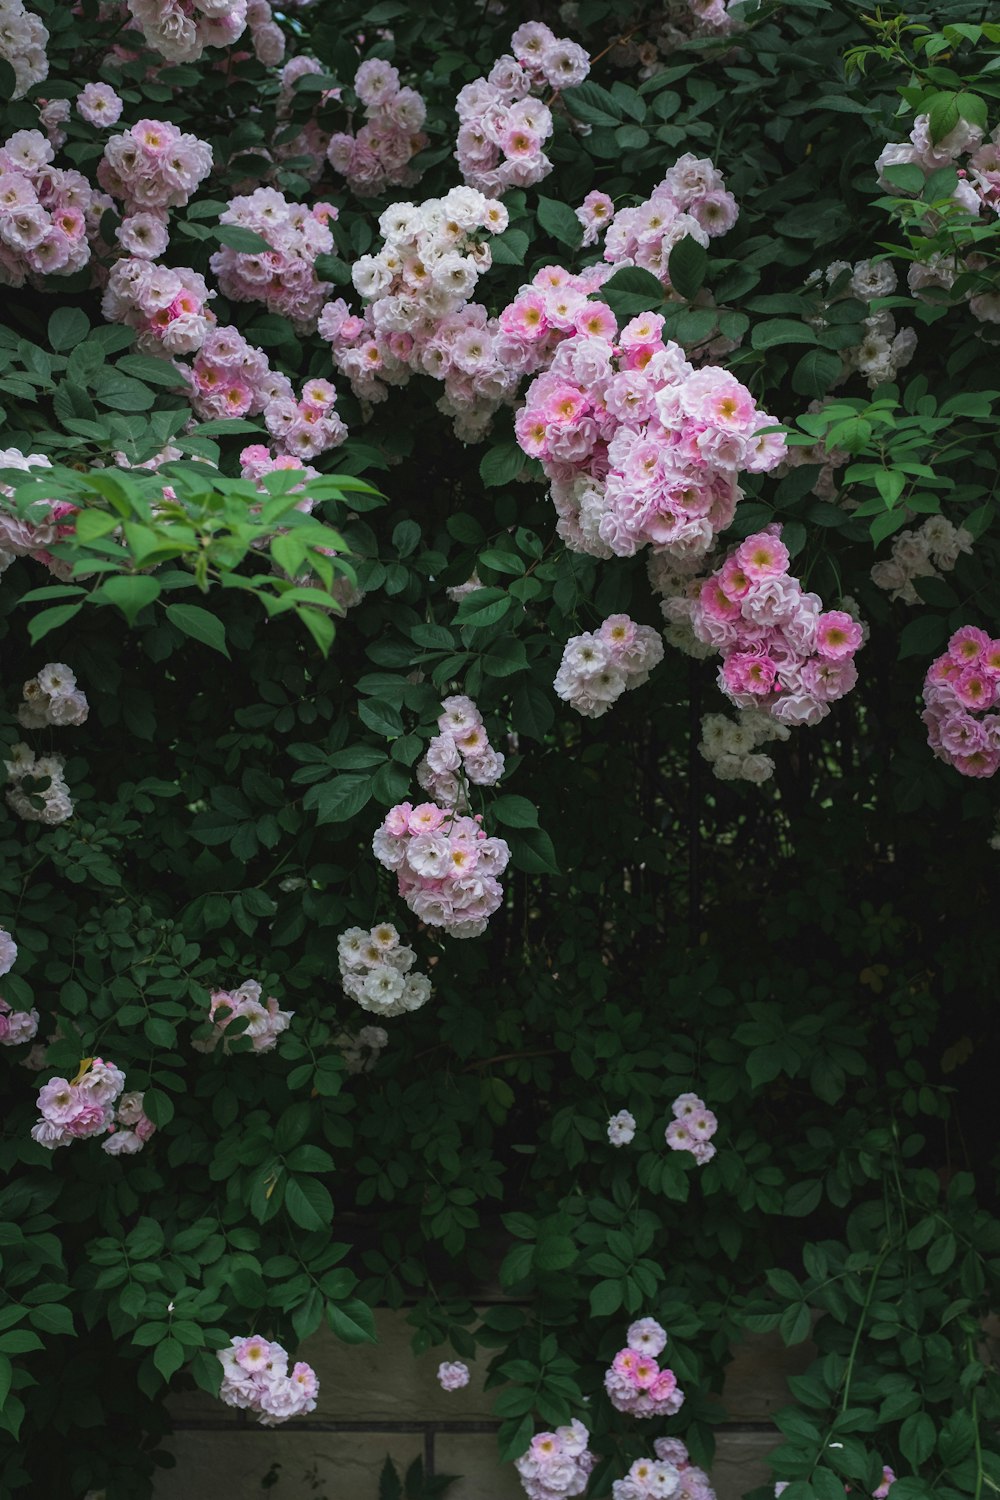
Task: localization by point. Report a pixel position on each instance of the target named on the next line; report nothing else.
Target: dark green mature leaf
(200, 624)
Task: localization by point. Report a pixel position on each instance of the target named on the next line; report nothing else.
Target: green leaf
(130, 592)
(200, 624)
(815, 372)
(236, 237)
(19, 1341)
(168, 1356)
(52, 1317)
(923, 637)
(50, 619)
(686, 266)
(338, 800)
(352, 1321)
(916, 1438)
(554, 1253)
(559, 220)
(484, 607)
(905, 175)
(6, 1368)
(514, 811)
(631, 291)
(382, 717)
(68, 326)
(308, 1203)
(501, 465)
(606, 1298)
(777, 331)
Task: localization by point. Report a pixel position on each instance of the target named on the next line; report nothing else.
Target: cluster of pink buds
(154, 166)
(77, 1110)
(692, 1128)
(283, 276)
(379, 155)
(255, 1378)
(502, 128)
(265, 1021)
(599, 666)
(132, 1127)
(446, 866)
(961, 690)
(691, 201)
(460, 750)
(48, 215)
(168, 306)
(635, 1382)
(781, 652)
(557, 1464)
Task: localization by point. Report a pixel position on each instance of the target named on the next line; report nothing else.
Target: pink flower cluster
(376, 971)
(132, 1127)
(691, 200)
(692, 1128)
(153, 166)
(37, 790)
(502, 128)
(168, 306)
(8, 952)
(231, 378)
(446, 866)
(379, 155)
(180, 30)
(692, 1482)
(961, 689)
(600, 665)
(283, 277)
(78, 1110)
(781, 652)
(255, 1378)
(640, 448)
(595, 214)
(16, 1025)
(557, 1464)
(48, 215)
(52, 698)
(635, 1381)
(265, 1021)
(99, 105)
(453, 1376)
(459, 752)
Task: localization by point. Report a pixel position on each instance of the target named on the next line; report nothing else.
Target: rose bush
(387, 397)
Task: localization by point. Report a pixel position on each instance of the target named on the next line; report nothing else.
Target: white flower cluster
(53, 698)
(23, 39)
(461, 746)
(884, 350)
(361, 1051)
(431, 261)
(375, 970)
(51, 804)
(729, 744)
(181, 32)
(927, 552)
(600, 665)
(678, 578)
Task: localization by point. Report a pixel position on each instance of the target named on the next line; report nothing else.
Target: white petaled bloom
(621, 1128)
